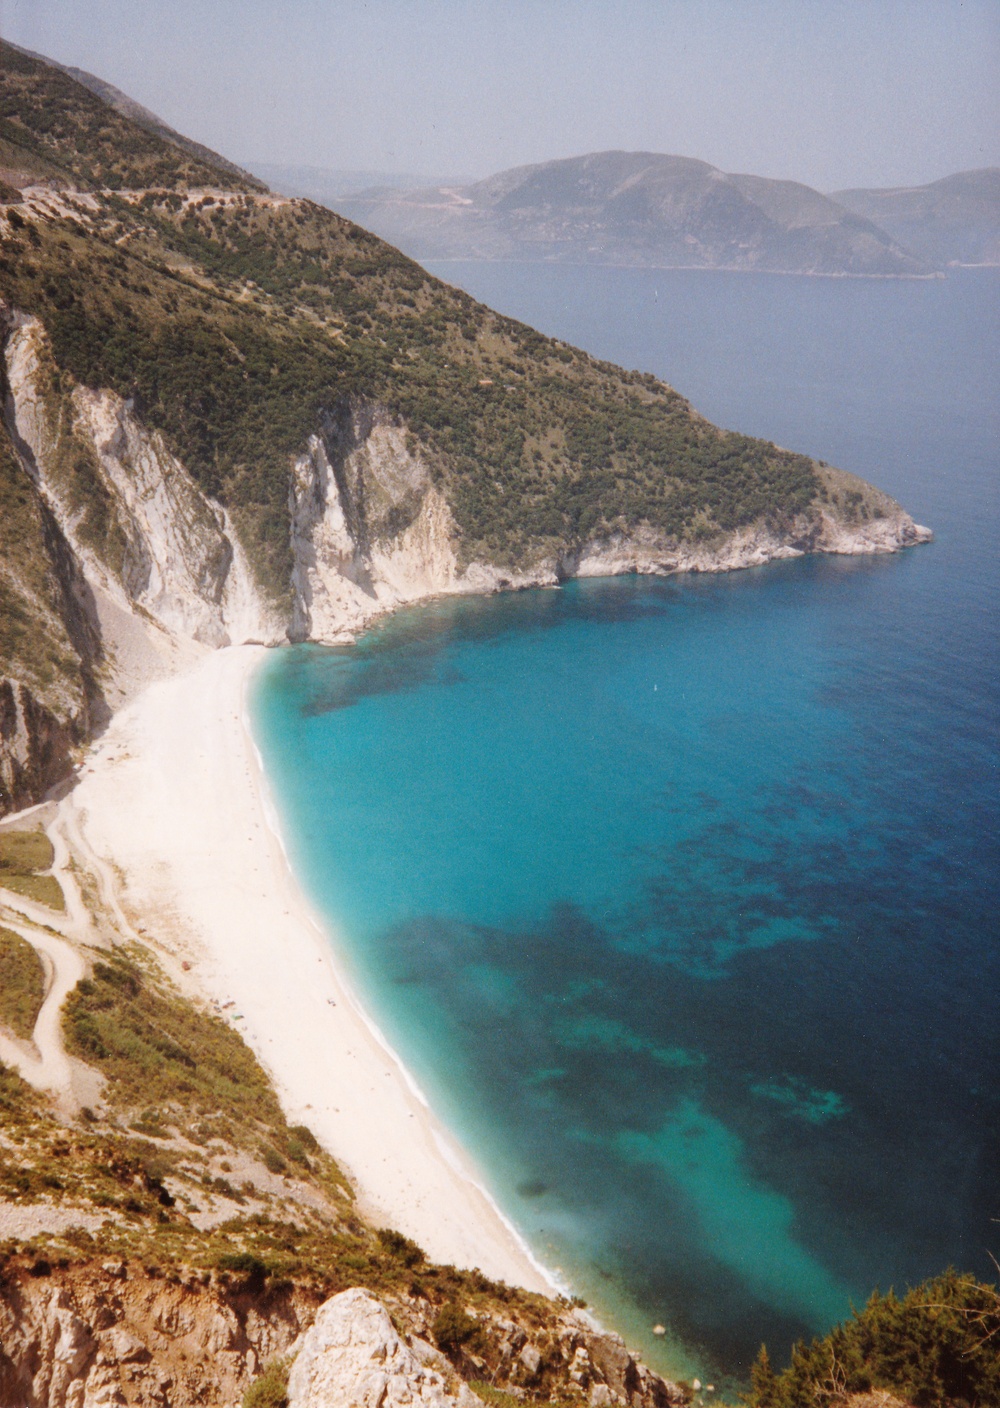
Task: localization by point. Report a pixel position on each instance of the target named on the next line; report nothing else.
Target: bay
(679, 896)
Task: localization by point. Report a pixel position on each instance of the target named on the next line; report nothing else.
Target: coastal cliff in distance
(952, 221)
(639, 210)
(231, 416)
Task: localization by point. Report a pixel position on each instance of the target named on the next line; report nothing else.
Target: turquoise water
(679, 896)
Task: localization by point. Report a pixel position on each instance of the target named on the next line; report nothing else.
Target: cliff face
(114, 1334)
(143, 569)
(150, 570)
(148, 541)
(369, 529)
(35, 745)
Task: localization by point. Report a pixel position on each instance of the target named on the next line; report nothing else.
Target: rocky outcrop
(352, 1354)
(369, 529)
(602, 1366)
(149, 541)
(118, 1335)
(753, 546)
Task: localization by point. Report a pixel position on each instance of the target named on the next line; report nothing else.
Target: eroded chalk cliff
(147, 570)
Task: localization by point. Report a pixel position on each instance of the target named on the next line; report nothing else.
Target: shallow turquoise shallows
(680, 896)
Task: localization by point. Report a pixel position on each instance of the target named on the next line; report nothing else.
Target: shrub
(244, 1264)
(935, 1348)
(400, 1248)
(452, 1328)
(271, 1389)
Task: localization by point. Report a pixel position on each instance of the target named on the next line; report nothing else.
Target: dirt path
(44, 1062)
(49, 1066)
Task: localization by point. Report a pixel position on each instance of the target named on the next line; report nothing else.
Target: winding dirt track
(44, 1061)
(49, 1067)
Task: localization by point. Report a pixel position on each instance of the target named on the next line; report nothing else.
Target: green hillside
(238, 324)
(51, 126)
(235, 324)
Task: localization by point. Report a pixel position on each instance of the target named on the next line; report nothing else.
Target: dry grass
(22, 985)
(23, 854)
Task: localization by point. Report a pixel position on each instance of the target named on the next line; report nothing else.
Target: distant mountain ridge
(952, 221)
(643, 209)
(325, 184)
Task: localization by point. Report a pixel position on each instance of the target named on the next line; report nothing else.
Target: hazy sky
(830, 92)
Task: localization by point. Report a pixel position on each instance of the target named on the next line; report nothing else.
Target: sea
(679, 897)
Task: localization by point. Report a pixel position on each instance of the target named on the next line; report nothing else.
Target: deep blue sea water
(680, 896)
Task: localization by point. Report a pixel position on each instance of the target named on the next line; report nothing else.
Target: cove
(678, 896)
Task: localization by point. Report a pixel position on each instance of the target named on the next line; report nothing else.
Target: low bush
(271, 1389)
(400, 1248)
(453, 1329)
(936, 1347)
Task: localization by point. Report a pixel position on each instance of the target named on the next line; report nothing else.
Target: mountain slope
(635, 208)
(952, 221)
(53, 126)
(128, 107)
(229, 415)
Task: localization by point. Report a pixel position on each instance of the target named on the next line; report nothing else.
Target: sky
(834, 93)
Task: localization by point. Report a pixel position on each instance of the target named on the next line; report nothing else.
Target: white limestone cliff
(154, 572)
(352, 1355)
(170, 572)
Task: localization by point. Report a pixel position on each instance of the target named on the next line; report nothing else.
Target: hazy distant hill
(635, 208)
(952, 221)
(324, 184)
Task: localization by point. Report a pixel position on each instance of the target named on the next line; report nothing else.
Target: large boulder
(352, 1357)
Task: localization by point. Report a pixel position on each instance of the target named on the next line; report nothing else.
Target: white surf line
(454, 1155)
(173, 803)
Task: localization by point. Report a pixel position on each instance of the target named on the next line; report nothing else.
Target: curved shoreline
(174, 798)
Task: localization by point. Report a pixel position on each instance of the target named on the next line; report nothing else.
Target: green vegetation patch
(16, 1096)
(239, 328)
(51, 123)
(937, 1347)
(22, 984)
(271, 1389)
(453, 1329)
(25, 851)
(22, 855)
(162, 1054)
(172, 1064)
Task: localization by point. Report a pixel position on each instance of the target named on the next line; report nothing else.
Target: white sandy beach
(172, 802)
